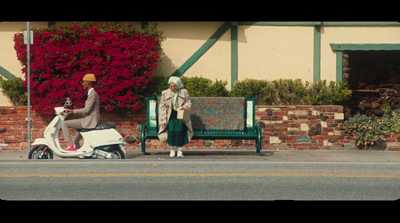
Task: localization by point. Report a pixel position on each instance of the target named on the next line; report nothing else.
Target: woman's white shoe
(172, 153)
(180, 154)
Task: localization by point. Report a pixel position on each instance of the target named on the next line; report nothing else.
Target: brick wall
(14, 119)
(284, 127)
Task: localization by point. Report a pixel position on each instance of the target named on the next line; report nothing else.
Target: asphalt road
(232, 177)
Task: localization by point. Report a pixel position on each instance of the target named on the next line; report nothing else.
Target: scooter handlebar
(59, 110)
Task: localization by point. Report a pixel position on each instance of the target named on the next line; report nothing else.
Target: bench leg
(259, 139)
(143, 152)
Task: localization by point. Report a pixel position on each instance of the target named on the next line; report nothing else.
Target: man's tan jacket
(91, 111)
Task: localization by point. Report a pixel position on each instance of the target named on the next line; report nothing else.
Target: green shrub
(197, 86)
(287, 91)
(204, 87)
(248, 88)
(367, 130)
(362, 129)
(276, 92)
(158, 83)
(217, 89)
(15, 90)
(331, 94)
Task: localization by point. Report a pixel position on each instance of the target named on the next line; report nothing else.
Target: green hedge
(275, 92)
(197, 86)
(293, 92)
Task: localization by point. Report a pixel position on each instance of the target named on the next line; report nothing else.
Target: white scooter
(102, 142)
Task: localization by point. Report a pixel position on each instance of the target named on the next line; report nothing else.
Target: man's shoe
(71, 147)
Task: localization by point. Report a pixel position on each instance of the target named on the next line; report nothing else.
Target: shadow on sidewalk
(206, 153)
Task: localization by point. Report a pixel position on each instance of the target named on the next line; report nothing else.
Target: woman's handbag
(183, 115)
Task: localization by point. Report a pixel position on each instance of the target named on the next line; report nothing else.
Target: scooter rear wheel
(118, 154)
(37, 153)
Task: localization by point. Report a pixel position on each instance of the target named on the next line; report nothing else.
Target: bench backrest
(212, 113)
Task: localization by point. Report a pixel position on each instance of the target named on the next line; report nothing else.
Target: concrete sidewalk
(267, 155)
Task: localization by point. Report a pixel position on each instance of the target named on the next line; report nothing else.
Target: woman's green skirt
(177, 131)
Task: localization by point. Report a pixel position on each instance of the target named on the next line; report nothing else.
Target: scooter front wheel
(40, 152)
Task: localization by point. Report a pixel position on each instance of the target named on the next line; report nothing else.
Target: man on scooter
(90, 113)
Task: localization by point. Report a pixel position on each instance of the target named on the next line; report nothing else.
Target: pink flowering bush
(122, 57)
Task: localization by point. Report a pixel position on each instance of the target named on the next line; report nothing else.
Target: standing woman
(176, 132)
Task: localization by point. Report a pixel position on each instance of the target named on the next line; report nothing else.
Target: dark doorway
(374, 77)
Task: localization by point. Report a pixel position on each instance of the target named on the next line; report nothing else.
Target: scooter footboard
(102, 137)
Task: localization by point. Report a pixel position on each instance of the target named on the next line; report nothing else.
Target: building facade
(234, 51)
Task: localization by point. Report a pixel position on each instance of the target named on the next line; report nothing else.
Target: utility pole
(28, 40)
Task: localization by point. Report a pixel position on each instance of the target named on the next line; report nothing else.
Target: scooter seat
(99, 127)
(105, 126)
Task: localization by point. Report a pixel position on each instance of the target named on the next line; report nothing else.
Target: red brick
(261, 113)
(280, 113)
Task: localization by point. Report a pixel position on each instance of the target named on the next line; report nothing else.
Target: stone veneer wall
(303, 127)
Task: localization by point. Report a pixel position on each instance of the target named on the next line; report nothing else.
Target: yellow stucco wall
(264, 52)
(273, 52)
(184, 38)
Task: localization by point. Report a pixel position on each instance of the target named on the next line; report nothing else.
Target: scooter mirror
(67, 102)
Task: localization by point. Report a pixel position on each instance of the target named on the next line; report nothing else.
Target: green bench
(212, 118)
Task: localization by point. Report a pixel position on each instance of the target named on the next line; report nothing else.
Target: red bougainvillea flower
(122, 57)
